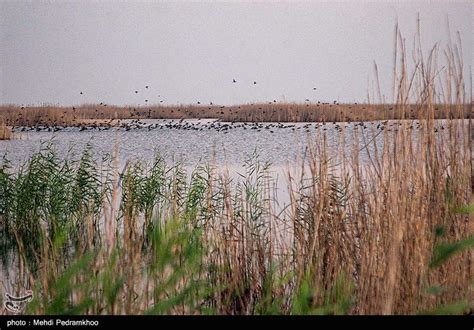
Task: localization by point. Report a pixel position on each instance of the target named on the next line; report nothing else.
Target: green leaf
(446, 250)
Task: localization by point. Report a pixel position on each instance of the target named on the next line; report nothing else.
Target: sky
(189, 52)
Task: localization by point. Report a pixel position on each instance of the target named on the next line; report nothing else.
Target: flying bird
(254, 82)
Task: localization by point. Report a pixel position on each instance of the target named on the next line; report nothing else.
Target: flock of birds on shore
(226, 127)
(216, 125)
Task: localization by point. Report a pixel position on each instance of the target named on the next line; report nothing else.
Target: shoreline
(104, 115)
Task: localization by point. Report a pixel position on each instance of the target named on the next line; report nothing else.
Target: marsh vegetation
(103, 115)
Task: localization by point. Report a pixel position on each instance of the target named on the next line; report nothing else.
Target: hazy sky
(186, 52)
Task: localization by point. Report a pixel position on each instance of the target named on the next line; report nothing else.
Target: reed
(5, 132)
(100, 115)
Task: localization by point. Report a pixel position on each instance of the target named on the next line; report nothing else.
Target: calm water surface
(200, 142)
(195, 142)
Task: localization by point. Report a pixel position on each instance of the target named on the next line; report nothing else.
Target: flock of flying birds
(225, 127)
(198, 102)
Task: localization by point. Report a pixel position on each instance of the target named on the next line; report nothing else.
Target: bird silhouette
(254, 82)
(234, 81)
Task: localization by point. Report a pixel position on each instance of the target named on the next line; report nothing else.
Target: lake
(194, 141)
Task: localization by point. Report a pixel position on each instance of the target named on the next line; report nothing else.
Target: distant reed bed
(103, 115)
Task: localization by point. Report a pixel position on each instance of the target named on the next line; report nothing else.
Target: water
(196, 141)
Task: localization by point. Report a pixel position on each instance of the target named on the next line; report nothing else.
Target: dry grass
(275, 112)
(5, 132)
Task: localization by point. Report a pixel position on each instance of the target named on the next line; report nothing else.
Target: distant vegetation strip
(102, 114)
